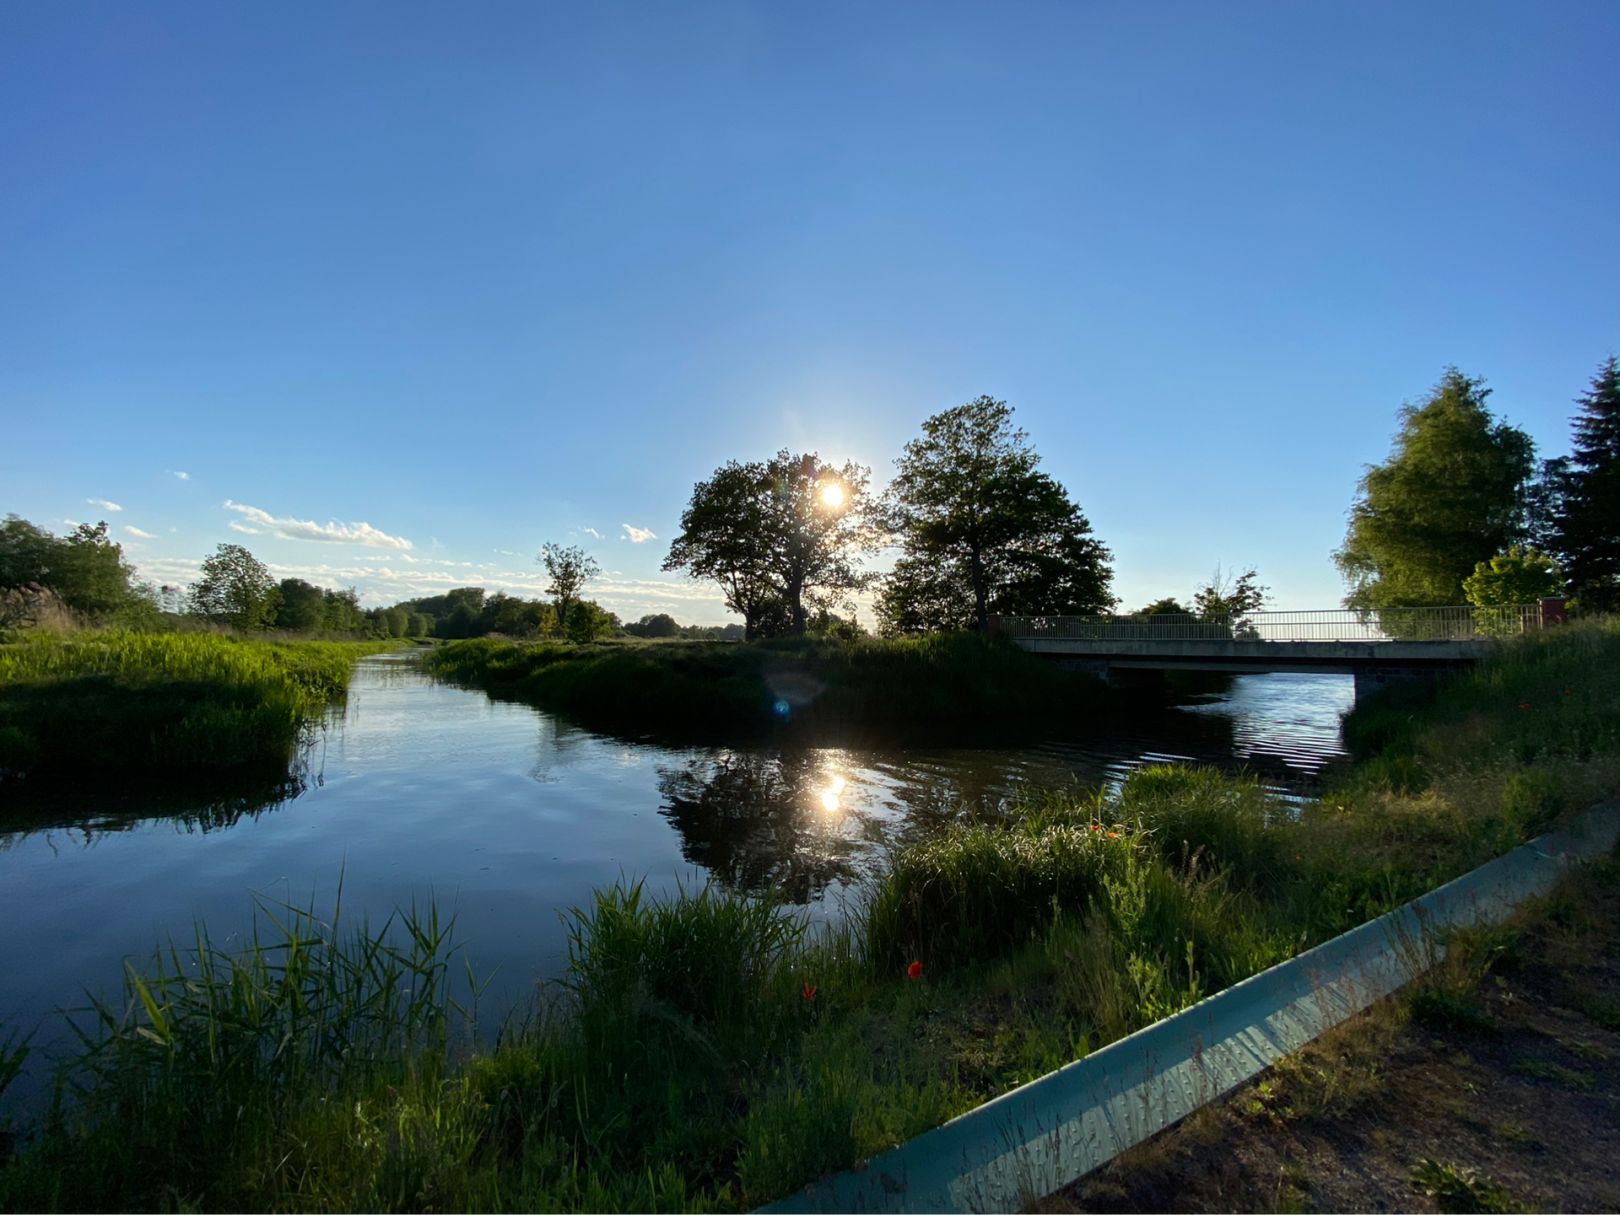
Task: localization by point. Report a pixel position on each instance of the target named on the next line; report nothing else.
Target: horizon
(393, 295)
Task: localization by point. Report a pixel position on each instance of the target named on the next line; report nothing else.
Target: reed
(710, 1051)
(126, 705)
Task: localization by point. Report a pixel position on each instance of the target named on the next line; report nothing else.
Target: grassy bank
(1384, 1112)
(936, 687)
(710, 1052)
(121, 705)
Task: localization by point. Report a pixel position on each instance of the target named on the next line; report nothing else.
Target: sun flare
(832, 494)
(829, 796)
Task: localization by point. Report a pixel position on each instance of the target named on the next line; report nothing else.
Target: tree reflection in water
(760, 823)
(85, 819)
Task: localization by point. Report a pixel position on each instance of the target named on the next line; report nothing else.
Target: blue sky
(473, 277)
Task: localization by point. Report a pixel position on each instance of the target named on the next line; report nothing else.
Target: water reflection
(74, 817)
(762, 822)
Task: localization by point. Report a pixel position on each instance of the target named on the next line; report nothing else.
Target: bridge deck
(1249, 657)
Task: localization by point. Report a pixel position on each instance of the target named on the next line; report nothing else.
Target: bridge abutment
(1373, 679)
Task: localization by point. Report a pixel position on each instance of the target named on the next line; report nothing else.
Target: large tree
(1586, 532)
(85, 568)
(778, 536)
(983, 530)
(569, 570)
(235, 588)
(1450, 495)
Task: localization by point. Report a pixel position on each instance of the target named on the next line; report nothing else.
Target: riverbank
(117, 706)
(1384, 1113)
(941, 688)
(709, 1052)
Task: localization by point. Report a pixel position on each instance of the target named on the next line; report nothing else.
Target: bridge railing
(1337, 624)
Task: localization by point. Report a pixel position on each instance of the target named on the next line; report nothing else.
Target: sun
(832, 494)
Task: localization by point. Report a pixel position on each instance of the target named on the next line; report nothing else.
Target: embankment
(710, 1052)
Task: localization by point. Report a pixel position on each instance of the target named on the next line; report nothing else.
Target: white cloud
(139, 534)
(637, 535)
(182, 476)
(592, 532)
(104, 504)
(238, 526)
(331, 531)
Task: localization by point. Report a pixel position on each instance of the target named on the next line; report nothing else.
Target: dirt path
(1494, 1086)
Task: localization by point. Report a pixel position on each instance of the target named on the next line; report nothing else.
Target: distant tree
(341, 611)
(1224, 595)
(658, 624)
(515, 617)
(569, 570)
(26, 553)
(302, 608)
(589, 621)
(777, 535)
(1516, 576)
(983, 530)
(1586, 534)
(235, 588)
(421, 625)
(826, 623)
(1168, 606)
(1450, 495)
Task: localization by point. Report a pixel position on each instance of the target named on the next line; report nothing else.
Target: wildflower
(914, 971)
(1113, 835)
(809, 992)
(1096, 826)
(1524, 704)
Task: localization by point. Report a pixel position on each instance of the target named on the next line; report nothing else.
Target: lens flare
(832, 494)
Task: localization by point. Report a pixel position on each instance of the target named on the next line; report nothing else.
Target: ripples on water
(511, 815)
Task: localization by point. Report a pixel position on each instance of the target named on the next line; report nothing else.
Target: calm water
(508, 816)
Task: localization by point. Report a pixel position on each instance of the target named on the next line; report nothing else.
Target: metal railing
(1337, 624)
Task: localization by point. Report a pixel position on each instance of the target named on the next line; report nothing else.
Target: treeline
(1462, 510)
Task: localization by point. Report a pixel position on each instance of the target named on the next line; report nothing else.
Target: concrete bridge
(1377, 648)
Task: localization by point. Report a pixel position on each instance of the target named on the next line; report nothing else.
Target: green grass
(126, 706)
(711, 1052)
(949, 686)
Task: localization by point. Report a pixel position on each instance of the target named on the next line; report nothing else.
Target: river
(509, 816)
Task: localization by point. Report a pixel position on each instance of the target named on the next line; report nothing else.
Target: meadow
(117, 706)
(713, 1052)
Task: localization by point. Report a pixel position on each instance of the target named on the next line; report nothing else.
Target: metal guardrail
(1389, 624)
(1038, 1138)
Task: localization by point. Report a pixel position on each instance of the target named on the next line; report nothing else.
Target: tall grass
(953, 686)
(711, 1052)
(126, 705)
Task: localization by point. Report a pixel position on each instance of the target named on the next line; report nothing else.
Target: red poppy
(1524, 704)
(1096, 826)
(914, 971)
(809, 992)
